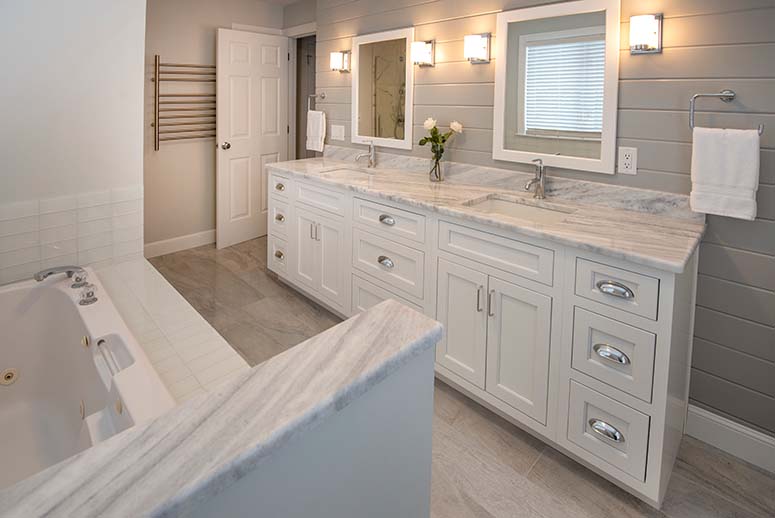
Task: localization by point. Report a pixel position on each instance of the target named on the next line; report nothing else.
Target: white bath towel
(316, 130)
(725, 172)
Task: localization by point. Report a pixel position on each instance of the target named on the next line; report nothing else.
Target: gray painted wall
(709, 45)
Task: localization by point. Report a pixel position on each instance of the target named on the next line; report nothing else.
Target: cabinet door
(333, 259)
(461, 308)
(304, 267)
(518, 333)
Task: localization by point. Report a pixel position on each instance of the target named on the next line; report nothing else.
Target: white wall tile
(60, 248)
(19, 209)
(90, 199)
(18, 225)
(51, 235)
(17, 241)
(96, 212)
(58, 219)
(20, 256)
(60, 204)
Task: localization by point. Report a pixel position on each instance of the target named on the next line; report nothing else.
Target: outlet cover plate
(627, 162)
(337, 132)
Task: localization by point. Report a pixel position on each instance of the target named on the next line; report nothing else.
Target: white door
(333, 259)
(518, 347)
(462, 309)
(304, 255)
(252, 126)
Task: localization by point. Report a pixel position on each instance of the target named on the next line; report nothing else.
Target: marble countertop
(649, 228)
(166, 466)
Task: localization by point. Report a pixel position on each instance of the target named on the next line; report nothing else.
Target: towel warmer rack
(171, 109)
(322, 95)
(725, 95)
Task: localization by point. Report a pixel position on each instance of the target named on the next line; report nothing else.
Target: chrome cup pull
(615, 289)
(280, 186)
(279, 254)
(385, 261)
(386, 219)
(611, 354)
(606, 431)
(279, 217)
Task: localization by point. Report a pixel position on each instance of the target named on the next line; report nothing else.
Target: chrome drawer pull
(387, 220)
(491, 303)
(279, 254)
(606, 430)
(479, 291)
(279, 218)
(615, 289)
(385, 261)
(611, 354)
(280, 186)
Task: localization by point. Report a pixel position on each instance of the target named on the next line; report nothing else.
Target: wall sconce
(646, 34)
(340, 61)
(423, 53)
(476, 48)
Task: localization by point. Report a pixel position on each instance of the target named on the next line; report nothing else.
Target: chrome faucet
(372, 155)
(80, 279)
(539, 181)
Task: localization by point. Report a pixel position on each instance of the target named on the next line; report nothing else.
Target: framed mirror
(383, 83)
(556, 85)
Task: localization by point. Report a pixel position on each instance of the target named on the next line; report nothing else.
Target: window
(561, 84)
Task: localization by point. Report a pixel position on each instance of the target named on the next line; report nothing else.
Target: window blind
(564, 86)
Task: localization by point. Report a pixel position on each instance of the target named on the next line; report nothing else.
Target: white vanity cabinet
(587, 351)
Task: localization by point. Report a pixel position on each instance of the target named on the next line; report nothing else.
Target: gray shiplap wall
(709, 45)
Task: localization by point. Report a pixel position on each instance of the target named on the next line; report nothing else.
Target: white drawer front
(367, 295)
(523, 259)
(389, 220)
(278, 218)
(279, 185)
(629, 291)
(608, 430)
(322, 198)
(277, 253)
(390, 262)
(615, 353)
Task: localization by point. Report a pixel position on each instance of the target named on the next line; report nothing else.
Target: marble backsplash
(592, 193)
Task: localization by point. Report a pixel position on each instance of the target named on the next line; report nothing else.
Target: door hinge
(289, 56)
(288, 130)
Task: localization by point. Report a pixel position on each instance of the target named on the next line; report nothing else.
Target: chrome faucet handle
(88, 295)
(80, 279)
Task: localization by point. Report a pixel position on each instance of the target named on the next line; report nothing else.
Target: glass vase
(437, 170)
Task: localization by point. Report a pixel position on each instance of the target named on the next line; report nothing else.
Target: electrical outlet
(628, 160)
(337, 132)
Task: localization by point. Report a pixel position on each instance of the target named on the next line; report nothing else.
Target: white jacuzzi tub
(57, 395)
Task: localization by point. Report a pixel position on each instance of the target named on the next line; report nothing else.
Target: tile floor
(483, 466)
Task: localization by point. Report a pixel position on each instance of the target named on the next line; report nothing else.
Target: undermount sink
(347, 172)
(506, 206)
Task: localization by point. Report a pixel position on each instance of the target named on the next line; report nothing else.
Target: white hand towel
(725, 172)
(316, 130)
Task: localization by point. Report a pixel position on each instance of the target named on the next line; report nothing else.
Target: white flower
(429, 123)
(456, 127)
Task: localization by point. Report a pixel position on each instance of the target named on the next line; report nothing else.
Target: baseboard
(176, 244)
(732, 437)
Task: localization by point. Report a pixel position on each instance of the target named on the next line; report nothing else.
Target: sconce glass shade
(340, 61)
(423, 53)
(646, 34)
(476, 48)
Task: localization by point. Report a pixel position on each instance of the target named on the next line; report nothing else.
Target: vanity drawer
(320, 197)
(389, 220)
(277, 252)
(367, 295)
(279, 185)
(390, 262)
(615, 353)
(608, 430)
(278, 218)
(516, 257)
(629, 291)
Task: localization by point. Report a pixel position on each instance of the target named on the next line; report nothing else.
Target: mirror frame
(607, 161)
(357, 41)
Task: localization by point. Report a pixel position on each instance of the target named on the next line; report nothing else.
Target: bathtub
(71, 375)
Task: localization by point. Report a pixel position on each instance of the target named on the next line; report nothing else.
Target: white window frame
(406, 142)
(580, 34)
(606, 163)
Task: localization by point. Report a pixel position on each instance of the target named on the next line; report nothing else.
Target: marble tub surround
(656, 230)
(159, 469)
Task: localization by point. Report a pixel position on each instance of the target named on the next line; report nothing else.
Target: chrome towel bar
(322, 95)
(725, 95)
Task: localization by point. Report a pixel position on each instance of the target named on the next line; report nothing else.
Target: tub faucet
(372, 155)
(539, 181)
(69, 270)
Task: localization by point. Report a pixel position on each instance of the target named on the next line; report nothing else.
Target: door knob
(226, 145)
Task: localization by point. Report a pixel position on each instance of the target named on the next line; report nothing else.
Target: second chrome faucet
(539, 182)
(372, 155)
